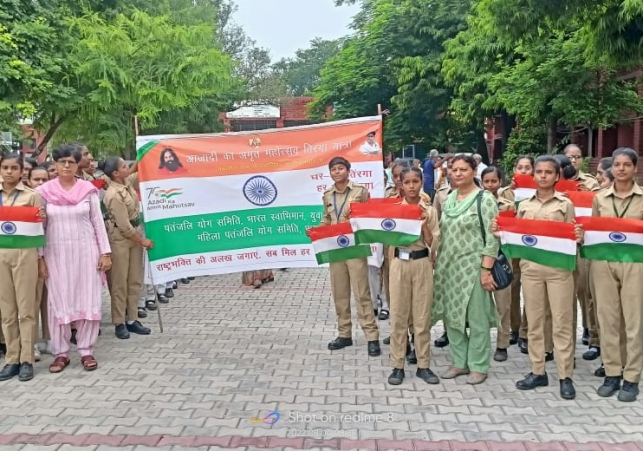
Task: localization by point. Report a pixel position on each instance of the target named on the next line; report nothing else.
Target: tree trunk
(56, 123)
(552, 134)
(508, 124)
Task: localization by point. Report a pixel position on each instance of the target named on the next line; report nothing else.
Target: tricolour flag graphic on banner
(336, 243)
(395, 225)
(582, 201)
(526, 186)
(20, 228)
(544, 242)
(612, 239)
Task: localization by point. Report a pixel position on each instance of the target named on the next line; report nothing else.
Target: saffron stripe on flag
(384, 211)
(22, 214)
(537, 227)
(582, 199)
(318, 233)
(609, 224)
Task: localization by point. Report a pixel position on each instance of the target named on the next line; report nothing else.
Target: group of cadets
(609, 294)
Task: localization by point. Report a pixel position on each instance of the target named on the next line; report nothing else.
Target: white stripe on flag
(330, 243)
(546, 243)
(582, 211)
(524, 193)
(24, 228)
(407, 226)
(595, 237)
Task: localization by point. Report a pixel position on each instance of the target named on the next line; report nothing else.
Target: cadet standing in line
(18, 278)
(587, 182)
(125, 278)
(349, 274)
(618, 286)
(547, 288)
(412, 286)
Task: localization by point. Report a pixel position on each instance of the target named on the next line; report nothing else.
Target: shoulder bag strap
(479, 206)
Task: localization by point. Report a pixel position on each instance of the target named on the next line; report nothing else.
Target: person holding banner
(617, 284)
(18, 276)
(125, 279)
(76, 256)
(349, 275)
(548, 287)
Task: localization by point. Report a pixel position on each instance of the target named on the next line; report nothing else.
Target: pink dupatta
(53, 192)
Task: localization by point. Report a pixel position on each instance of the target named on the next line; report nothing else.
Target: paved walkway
(230, 356)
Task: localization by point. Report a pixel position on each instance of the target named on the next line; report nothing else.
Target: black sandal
(383, 314)
(150, 305)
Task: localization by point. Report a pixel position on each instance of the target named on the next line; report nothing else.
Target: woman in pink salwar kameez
(76, 256)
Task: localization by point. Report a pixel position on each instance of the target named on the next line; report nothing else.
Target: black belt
(414, 255)
(133, 222)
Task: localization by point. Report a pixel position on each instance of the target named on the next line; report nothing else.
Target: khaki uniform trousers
(550, 289)
(18, 279)
(386, 274)
(344, 276)
(125, 279)
(585, 294)
(619, 295)
(412, 293)
(40, 314)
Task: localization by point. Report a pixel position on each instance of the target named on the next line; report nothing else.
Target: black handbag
(501, 271)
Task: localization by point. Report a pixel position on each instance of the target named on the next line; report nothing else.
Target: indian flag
(525, 186)
(20, 228)
(394, 225)
(336, 243)
(547, 243)
(582, 201)
(612, 239)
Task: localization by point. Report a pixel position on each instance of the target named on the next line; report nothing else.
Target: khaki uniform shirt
(440, 199)
(629, 206)
(559, 208)
(505, 205)
(338, 203)
(507, 193)
(24, 197)
(123, 208)
(391, 191)
(587, 181)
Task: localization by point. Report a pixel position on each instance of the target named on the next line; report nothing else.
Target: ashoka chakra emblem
(343, 241)
(260, 191)
(8, 228)
(529, 240)
(388, 224)
(617, 237)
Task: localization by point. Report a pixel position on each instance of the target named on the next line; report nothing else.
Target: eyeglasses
(575, 157)
(66, 162)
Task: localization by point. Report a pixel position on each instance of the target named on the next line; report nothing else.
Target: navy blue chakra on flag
(529, 240)
(617, 237)
(260, 191)
(343, 241)
(8, 228)
(388, 224)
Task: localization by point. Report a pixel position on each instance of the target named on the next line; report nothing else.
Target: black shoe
(121, 332)
(567, 390)
(175, 285)
(142, 313)
(427, 376)
(384, 314)
(586, 336)
(340, 343)
(513, 338)
(442, 341)
(500, 355)
(163, 298)
(609, 388)
(387, 341)
(600, 371)
(523, 344)
(592, 354)
(191, 278)
(169, 293)
(185, 281)
(375, 312)
(150, 305)
(374, 348)
(549, 356)
(628, 392)
(9, 372)
(137, 328)
(410, 354)
(396, 377)
(26, 372)
(72, 340)
(3, 348)
(532, 381)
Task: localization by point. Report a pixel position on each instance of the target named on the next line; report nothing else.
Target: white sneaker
(36, 353)
(47, 349)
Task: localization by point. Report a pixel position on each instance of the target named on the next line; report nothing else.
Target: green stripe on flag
(540, 256)
(340, 255)
(611, 252)
(140, 153)
(384, 237)
(21, 241)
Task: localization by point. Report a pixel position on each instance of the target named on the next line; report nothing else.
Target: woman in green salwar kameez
(463, 280)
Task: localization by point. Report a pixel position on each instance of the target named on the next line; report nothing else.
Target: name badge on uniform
(404, 254)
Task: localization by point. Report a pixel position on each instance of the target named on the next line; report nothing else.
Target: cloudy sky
(283, 26)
